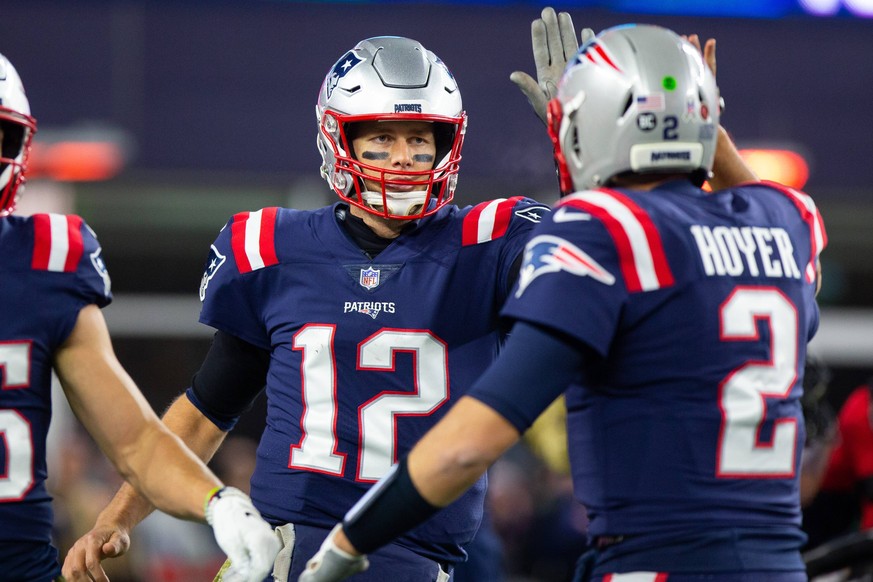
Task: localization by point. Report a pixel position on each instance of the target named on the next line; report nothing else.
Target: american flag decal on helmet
(640, 249)
(252, 239)
(57, 243)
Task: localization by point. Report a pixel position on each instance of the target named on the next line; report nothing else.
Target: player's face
(395, 145)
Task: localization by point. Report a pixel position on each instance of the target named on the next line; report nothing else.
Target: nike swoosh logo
(564, 215)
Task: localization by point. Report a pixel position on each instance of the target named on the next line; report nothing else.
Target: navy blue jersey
(700, 307)
(366, 355)
(51, 268)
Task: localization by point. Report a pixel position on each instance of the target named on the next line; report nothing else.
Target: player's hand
(83, 561)
(553, 39)
(708, 52)
(243, 535)
(332, 564)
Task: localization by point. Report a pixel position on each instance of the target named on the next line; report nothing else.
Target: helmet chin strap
(399, 203)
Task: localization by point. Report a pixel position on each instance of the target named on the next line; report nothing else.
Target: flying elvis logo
(371, 308)
(346, 63)
(552, 254)
(213, 263)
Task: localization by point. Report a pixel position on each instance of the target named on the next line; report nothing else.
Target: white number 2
(377, 438)
(16, 477)
(744, 391)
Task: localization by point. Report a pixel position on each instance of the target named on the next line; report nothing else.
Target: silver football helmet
(16, 128)
(635, 99)
(390, 78)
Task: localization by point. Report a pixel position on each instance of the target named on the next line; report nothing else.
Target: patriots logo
(213, 263)
(551, 254)
(100, 267)
(594, 53)
(346, 63)
(533, 213)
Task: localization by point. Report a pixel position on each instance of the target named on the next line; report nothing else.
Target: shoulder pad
(637, 240)
(818, 238)
(490, 220)
(253, 239)
(58, 243)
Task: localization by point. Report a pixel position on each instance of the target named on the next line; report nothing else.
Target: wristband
(213, 493)
(392, 507)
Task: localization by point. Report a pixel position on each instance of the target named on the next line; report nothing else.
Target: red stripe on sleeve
(268, 236)
(656, 246)
(811, 219)
(619, 238)
(76, 243)
(238, 241)
(470, 232)
(42, 242)
(503, 215)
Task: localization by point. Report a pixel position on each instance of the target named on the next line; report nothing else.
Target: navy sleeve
(230, 378)
(535, 366)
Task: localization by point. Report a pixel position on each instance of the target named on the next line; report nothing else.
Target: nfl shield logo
(369, 278)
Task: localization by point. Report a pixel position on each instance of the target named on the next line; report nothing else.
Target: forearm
(729, 169)
(444, 464)
(458, 450)
(128, 507)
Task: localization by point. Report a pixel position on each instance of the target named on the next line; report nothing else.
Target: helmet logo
(346, 63)
(596, 54)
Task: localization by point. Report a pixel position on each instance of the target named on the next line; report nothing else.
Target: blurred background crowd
(159, 119)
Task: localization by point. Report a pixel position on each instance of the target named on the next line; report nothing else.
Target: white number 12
(317, 449)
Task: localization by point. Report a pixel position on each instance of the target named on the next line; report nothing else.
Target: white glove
(553, 39)
(243, 535)
(332, 564)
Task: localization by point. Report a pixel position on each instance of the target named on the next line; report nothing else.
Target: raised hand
(553, 39)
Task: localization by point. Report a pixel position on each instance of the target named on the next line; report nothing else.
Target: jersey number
(377, 439)
(744, 392)
(16, 477)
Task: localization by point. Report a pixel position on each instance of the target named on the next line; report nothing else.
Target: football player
(363, 321)
(674, 320)
(54, 283)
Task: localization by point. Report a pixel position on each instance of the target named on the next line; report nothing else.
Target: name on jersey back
(753, 250)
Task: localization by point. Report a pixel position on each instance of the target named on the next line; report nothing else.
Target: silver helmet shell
(390, 78)
(635, 99)
(17, 127)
